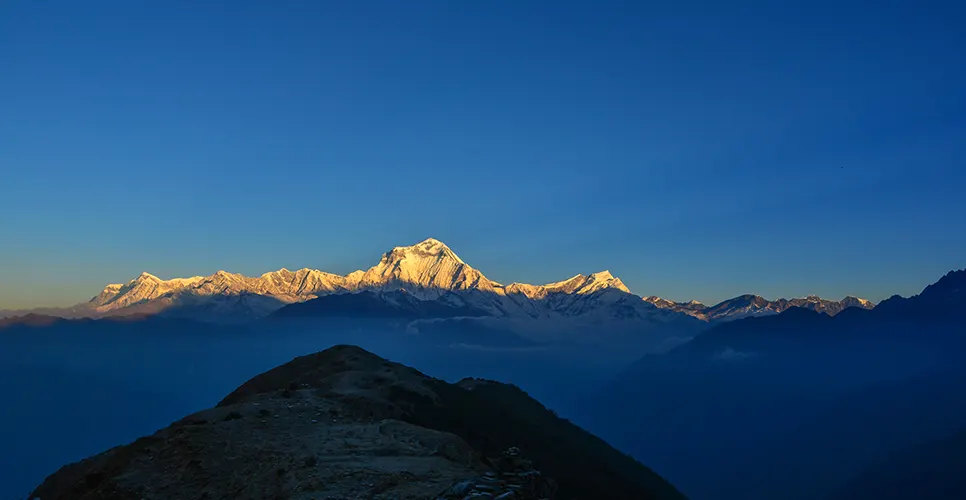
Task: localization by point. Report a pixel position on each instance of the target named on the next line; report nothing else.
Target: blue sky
(695, 149)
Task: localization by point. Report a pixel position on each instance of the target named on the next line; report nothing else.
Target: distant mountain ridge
(417, 275)
(426, 271)
(794, 388)
(944, 299)
(749, 305)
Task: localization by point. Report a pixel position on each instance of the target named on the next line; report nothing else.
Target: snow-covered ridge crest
(755, 305)
(429, 270)
(578, 284)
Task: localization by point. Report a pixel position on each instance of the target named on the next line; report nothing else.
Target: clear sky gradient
(698, 150)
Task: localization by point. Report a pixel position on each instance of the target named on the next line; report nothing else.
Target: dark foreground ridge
(346, 424)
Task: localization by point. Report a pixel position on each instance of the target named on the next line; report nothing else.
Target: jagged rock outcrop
(345, 423)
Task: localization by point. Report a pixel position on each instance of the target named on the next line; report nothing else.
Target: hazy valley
(715, 402)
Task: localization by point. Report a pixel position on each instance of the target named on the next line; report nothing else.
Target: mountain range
(429, 278)
(749, 305)
(732, 388)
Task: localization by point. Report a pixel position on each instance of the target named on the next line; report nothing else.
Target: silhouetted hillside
(939, 307)
(736, 400)
(845, 435)
(30, 320)
(944, 300)
(348, 423)
(490, 416)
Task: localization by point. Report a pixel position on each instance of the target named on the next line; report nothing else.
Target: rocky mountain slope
(345, 423)
(745, 306)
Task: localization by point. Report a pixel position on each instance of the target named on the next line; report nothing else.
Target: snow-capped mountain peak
(601, 280)
(143, 288)
(581, 284)
(428, 270)
(660, 302)
(858, 302)
(432, 246)
(429, 248)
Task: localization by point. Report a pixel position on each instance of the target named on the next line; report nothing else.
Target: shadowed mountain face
(346, 423)
(398, 304)
(844, 436)
(931, 470)
(943, 301)
(800, 399)
(31, 320)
